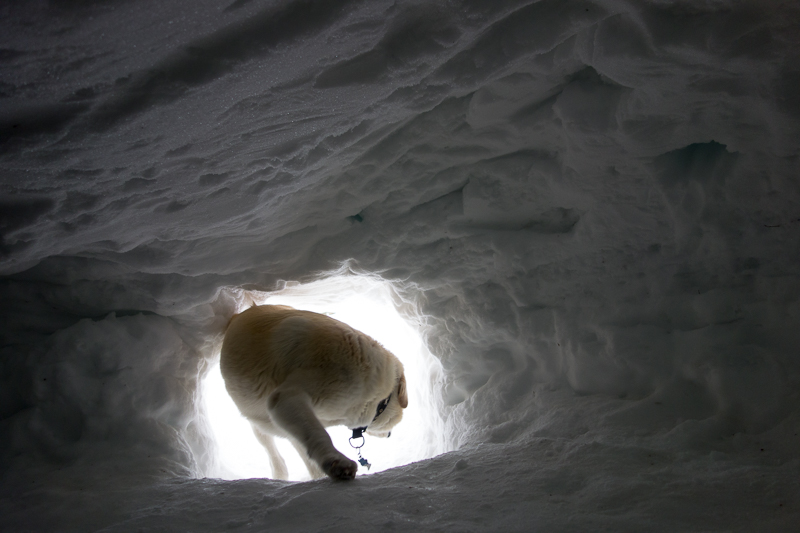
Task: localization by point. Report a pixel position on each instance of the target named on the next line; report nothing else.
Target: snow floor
(580, 483)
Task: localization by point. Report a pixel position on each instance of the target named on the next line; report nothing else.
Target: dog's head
(389, 418)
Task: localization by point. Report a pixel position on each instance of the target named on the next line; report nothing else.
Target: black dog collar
(358, 433)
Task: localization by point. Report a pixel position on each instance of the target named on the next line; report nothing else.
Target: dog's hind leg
(276, 462)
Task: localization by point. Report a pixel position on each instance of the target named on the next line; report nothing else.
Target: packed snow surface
(589, 210)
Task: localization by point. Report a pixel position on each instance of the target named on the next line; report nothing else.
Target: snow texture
(591, 208)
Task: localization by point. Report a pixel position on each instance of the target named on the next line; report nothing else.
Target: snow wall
(594, 205)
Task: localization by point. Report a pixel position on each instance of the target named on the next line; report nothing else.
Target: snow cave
(582, 215)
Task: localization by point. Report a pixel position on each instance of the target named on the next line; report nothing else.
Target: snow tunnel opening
(373, 306)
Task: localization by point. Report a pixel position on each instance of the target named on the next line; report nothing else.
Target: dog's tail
(245, 298)
(250, 297)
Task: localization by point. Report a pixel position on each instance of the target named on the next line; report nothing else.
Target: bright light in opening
(366, 304)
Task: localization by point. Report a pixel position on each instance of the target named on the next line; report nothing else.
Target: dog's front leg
(290, 408)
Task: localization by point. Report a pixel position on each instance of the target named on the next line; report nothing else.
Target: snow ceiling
(591, 208)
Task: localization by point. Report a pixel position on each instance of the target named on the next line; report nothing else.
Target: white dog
(293, 373)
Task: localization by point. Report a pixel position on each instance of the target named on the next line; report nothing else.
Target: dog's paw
(340, 468)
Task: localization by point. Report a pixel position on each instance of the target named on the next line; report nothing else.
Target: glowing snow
(366, 304)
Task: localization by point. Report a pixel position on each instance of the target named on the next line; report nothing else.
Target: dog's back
(265, 344)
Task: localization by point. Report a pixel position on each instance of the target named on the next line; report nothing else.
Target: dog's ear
(402, 395)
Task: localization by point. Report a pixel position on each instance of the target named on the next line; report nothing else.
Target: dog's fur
(293, 373)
